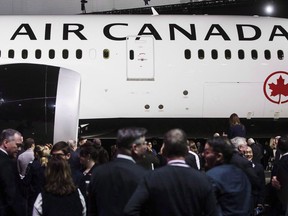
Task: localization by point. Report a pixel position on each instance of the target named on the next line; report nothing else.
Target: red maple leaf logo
(279, 89)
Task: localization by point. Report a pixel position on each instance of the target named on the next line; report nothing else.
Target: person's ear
(134, 148)
(219, 158)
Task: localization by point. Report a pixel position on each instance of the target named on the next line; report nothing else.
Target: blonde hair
(43, 154)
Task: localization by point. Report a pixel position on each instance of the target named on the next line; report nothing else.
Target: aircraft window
(228, 54)
(131, 54)
(0, 53)
(11, 54)
(51, 54)
(201, 54)
(106, 53)
(254, 54)
(24, 54)
(38, 54)
(65, 54)
(214, 54)
(187, 54)
(241, 54)
(78, 53)
(280, 54)
(267, 54)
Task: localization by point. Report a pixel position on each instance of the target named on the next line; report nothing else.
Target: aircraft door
(140, 58)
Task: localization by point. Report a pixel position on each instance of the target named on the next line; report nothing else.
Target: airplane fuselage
(159, 66)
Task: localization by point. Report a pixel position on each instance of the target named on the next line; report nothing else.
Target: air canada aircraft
(91, 74)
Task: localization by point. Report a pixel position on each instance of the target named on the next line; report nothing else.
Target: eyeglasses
(59, 155)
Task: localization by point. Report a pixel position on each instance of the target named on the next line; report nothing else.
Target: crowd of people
(223, 176)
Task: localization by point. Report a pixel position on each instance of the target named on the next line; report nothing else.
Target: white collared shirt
(180, 163)
(125, 157)
(4, 151)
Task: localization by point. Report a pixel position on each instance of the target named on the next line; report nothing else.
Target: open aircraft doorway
(40, 101)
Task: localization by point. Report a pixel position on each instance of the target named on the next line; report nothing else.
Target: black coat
(11, 199)
(173, 191)
(112, 185)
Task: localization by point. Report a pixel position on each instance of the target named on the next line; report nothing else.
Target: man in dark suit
(280, 173)
(11, 200)
(175, 189)
(113, 183)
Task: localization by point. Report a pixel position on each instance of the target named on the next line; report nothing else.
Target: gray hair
(8, 134)
(238, 141)
(72, 143)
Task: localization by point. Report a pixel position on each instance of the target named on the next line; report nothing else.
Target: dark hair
(220, 145)
(175, 143)
(89, 149)
(7, 134)
(61, 146)
(283, 144)
(28, 143)
(127, 136)
(58, 177)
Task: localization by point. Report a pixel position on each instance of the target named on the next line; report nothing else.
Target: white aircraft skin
(160, 82)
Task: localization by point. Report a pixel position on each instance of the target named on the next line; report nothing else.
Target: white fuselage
(168, 72)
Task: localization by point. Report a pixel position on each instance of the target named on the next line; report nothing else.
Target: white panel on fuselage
(223, 98)
(140, 58)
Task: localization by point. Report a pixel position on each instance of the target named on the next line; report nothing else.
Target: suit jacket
(247, 167)
(11, 201)
(232, 189)
(173, 191)
(190, 159)
(281, 171)
(111, 186)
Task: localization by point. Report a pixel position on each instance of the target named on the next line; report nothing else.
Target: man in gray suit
(113, 183)
(175, 189)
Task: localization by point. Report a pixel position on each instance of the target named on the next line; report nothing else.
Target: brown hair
(234, 119)
(58, 177)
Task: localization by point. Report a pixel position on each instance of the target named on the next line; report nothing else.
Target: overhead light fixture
(269, 9)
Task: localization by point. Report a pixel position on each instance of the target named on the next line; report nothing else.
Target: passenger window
(187, 54)
(228, 54)
(131, 54)
(24, 54)
(38, 54)
(65, 54)
(267, 54)
(214, 54)
(11, 54)
(0, 53)
(201, 54)
(254, 54)
(280, 54)
(106, 53)
(241, 54)
(78, 54)
(51, 54)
